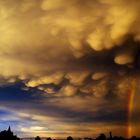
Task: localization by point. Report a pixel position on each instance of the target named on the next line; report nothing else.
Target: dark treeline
(8, 135)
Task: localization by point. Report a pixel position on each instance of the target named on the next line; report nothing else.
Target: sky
(70, 67)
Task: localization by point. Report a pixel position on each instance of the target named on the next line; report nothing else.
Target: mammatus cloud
(35, 35)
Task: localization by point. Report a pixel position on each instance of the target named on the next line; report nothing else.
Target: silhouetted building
(110, 135)
(8, 135)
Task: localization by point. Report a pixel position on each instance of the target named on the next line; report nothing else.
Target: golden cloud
(47, 41)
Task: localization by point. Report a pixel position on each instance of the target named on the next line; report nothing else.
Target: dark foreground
(8, 135)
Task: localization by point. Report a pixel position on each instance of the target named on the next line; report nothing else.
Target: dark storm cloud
(58, 41)
(18, 91)
(105, 114)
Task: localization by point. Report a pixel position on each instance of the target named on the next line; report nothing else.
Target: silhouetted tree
(101, 137)
(87, 138)
(133, 138)
(37, 138)
(69, 138)
(49, 138)
(118, 138)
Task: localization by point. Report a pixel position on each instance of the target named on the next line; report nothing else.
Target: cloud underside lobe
(70, 60)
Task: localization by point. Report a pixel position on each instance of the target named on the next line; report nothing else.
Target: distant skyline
(70, 67)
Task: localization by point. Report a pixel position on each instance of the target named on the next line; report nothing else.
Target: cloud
(41, 38)
(77, 78)
(68, 90)
(51, 51)
(52, 117)
(98, 75)
(55, 78)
